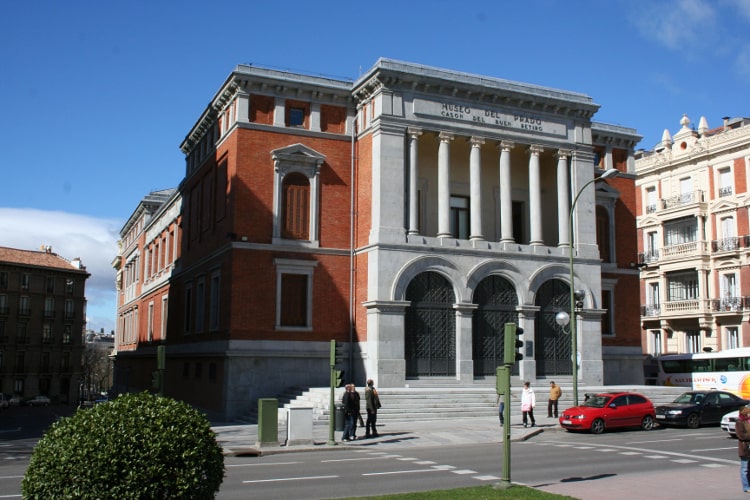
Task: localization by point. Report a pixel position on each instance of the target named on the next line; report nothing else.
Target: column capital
(414, 132)
(476, 141)
(445, 136)
(564, 153)
(506, 145)
(535, 149)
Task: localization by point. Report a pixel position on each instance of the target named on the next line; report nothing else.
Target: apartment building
(693, 238)
(409, 214)
(149, 252)
(42, 322)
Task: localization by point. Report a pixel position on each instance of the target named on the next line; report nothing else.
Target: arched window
(296, 206)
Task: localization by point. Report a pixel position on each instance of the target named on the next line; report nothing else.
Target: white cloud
(92, 239)
(681, 25)
(742, 61)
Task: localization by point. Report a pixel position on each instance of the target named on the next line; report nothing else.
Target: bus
(723, 370)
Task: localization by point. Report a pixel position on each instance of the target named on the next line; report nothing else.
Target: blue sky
(96, 96)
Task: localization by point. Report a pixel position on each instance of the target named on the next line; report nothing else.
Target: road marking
(684, 461)
(263, 464)
(400, 472)
(443, 467)
(487, 478)
(464, 471)
(425, 462)
(353, 459)
(654, 441)
(714, 449)
(631, 453)
(654, 457)
(288, 479)
(713, 465)
(408, 459)
(645, 450)
(605, 450)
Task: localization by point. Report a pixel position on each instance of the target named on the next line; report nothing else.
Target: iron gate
(430, 339)
(496, 305)
(553, 346)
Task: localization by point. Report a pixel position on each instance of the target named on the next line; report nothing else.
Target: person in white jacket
(528, 402)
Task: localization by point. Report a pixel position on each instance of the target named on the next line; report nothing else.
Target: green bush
(136, 446)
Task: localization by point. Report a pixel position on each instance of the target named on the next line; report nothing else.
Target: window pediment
(299, 154)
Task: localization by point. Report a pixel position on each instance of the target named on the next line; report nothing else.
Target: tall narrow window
(294, 293)
(293, 300)
(213, 314)
(188, 308)
(50, 287)
(296, 207)
(200, 305)
(459, 217)
(602, 234)
(656, 348)
(3, 280)
(4, 304)
(651, 201)
(150, 326)
(686, 191)
(733, 337)
(164, 308)
(25, 278)
(725, 182)
(607, 316)
(693, 341)
(519, 223)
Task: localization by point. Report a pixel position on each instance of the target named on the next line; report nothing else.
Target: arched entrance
(430, 338)
(553, 346)
(496, 305)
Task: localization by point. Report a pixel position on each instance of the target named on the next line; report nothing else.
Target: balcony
(650, 310)
(730, 304)
(70, 314)
(648, 256)
(685, 250)
(725, 191)
(4, 310)
(682, 200)
(49, 313)
(24, 311)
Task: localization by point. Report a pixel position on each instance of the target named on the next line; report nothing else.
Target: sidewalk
(717, 483)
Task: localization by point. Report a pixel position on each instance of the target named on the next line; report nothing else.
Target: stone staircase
(433, 401)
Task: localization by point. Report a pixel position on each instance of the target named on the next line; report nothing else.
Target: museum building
(409, 214)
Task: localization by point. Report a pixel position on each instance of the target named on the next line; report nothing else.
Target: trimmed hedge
(135, 446)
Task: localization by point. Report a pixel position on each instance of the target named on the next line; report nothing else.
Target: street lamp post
(562, 318)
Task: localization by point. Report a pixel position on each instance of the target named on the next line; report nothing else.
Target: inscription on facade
(493, 117)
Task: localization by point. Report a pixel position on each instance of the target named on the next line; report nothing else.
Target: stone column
(444, 185)
(563, 199)
(535, 196)
(475, 187)
(506, 199)
(279, 112)
(315, 117)
(464, 342)
(414, 134)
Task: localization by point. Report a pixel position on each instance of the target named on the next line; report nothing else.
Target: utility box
(268, 422)
(299, 426)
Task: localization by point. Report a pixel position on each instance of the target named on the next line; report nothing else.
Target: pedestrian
(372, 404)
(742, 430)
(350, 413)
(528, 402)
(501, 409)
(554, 394)
(357, 412)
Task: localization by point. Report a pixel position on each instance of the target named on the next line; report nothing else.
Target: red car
(608, 410)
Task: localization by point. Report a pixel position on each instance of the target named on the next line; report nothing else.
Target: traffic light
(502, 380)
(337, 353)
(338, 378)
(512, 343)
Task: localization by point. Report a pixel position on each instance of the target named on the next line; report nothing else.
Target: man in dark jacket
(350, 400)
(372, 402)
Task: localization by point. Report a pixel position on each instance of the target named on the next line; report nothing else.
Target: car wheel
(693, 421)
(597, 426)
(647, 423)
